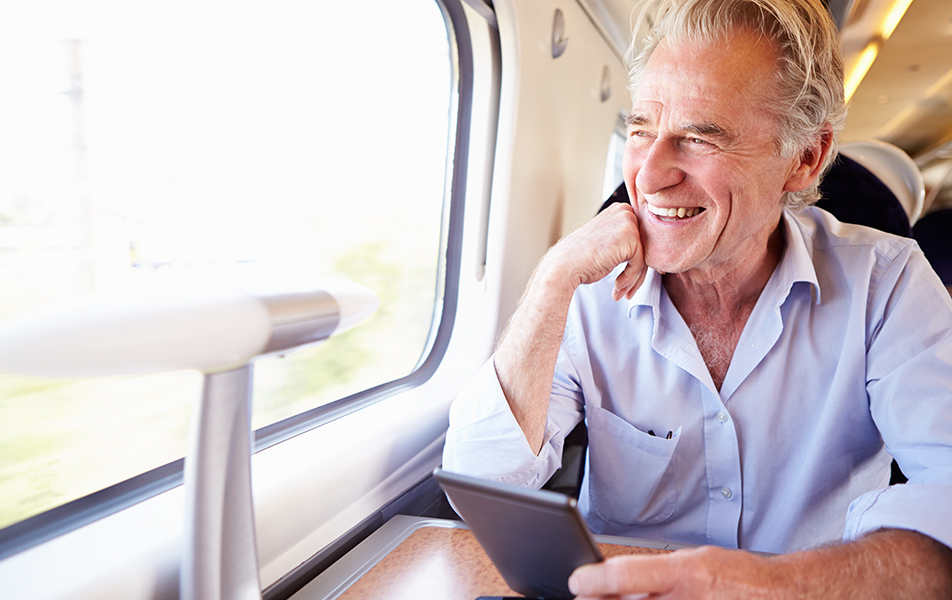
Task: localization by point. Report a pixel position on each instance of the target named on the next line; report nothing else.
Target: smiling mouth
(675, 214)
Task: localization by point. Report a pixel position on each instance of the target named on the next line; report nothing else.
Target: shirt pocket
(633, 478)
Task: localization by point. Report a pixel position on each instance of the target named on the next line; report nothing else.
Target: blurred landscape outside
(221, 140)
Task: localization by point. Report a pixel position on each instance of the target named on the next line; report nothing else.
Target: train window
(616, 151)
(299, 139)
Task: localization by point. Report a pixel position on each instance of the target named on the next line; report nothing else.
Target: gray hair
(809, 83)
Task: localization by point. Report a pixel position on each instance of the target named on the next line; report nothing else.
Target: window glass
(616, 152)
(297, 139)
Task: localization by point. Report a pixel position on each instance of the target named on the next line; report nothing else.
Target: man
(743, 366)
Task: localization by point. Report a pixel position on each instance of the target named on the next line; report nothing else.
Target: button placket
(722, 457)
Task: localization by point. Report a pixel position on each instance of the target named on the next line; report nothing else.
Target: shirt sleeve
(484, 440)
(921, 508)
(909, 361)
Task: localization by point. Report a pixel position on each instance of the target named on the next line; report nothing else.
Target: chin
(667, 264)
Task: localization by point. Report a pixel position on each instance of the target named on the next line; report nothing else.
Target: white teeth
(680, 213)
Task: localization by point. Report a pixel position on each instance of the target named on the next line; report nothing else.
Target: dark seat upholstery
(934, 233)
(854, 195)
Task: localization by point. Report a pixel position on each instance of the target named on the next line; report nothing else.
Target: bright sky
(223, 121)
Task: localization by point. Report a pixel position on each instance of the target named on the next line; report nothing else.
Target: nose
(656, 165)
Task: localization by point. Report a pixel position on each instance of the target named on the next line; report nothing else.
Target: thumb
(598, 579)
(621, 576)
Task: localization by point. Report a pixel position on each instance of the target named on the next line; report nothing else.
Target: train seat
(854, 194)
(894, 168)
(932, 234)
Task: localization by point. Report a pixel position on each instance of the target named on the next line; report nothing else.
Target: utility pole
(86, 219)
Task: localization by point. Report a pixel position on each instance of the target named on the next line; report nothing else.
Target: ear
(811, 161)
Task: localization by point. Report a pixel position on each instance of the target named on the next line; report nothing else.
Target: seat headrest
(894, 168)
(853, 194)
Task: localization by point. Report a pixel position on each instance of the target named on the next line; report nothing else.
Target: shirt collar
(649, 294)
(797, 261)
(796, 264)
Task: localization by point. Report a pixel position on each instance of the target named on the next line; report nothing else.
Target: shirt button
(722, 417)
(726, 492)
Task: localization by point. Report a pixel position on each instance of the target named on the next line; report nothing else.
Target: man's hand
(591, 252)
(705, 572)
(887, 565)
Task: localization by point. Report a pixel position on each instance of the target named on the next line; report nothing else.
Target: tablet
(535, 538)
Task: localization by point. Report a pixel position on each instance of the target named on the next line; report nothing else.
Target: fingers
(628, 282)
(594, 250)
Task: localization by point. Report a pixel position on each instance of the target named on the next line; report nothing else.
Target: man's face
(700, 139)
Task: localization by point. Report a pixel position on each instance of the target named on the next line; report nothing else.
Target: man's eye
(696, 141)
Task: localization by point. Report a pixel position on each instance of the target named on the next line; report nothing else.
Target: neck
(726, 290)
(716, 308)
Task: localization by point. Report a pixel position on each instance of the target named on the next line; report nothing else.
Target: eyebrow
(636, 119)
(706, 129)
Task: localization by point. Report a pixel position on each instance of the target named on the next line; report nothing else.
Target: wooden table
(413, 558)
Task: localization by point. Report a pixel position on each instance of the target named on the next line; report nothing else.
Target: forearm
(886, 565)
(889, 564)
(528, 349)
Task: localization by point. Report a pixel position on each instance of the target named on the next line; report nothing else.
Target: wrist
(553, 278)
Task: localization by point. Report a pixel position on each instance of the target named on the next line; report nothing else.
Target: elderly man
(746, 365)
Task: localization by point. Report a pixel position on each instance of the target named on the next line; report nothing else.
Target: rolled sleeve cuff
(485, 440)
(923, 508)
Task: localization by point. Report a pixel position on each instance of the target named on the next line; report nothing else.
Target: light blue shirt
(845, 360)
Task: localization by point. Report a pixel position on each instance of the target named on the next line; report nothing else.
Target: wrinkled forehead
(713, 86)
